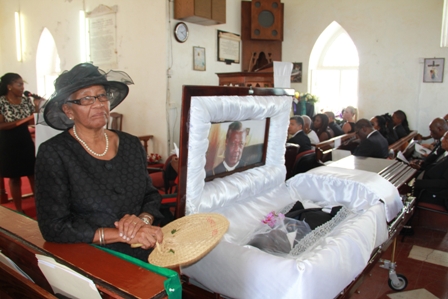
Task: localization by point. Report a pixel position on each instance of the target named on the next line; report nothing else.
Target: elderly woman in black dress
(92, 184)
(16, 145)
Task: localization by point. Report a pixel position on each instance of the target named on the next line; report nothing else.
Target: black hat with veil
(81, 76)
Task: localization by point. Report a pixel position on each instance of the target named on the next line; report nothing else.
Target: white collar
(296, 133)
(228, 168)
(371, 133)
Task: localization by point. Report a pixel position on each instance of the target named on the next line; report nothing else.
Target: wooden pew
(402, 143)
(324, 148)
(20, 240)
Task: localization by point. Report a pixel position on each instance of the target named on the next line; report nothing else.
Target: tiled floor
(424, 278)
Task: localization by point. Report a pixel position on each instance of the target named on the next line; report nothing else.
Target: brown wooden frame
(402, 143)
(191, 91)
(325, 148)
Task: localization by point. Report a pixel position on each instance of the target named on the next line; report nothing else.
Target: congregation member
(320, 125)
(16, 145)
(332, 125)
(349, 115)
(307, 128)
(379, 124)
(372, 143)
(438, 127)
(432, 184)
(92, 184)
(299, 137)
(401, 126)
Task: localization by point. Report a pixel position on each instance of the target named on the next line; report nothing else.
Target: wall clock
(181, 32)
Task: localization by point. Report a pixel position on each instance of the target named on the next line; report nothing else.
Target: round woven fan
(188, 239)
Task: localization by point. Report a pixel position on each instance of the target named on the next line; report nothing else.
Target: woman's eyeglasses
(86, 101)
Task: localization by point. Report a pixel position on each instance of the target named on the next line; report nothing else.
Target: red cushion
(157, 180)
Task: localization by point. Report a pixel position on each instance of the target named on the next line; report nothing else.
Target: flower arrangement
(307, 97)
(272, 218)
(154, 158)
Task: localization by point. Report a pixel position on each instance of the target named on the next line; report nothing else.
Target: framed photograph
(228, 47)
(199, 59)
(207, 112)
(235, 146)
(433, 70)
(296, 74)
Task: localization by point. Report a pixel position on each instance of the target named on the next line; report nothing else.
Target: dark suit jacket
(432, 157)
(433, 188)
(375, 146)
(336, 129)
(302, 140)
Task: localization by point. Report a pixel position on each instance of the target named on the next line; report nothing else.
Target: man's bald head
(438, 127)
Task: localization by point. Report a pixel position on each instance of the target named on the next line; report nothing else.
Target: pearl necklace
(88, 148)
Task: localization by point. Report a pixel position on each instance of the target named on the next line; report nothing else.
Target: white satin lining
(357, 190)
(203, 197)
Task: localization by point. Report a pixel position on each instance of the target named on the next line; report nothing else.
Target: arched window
(47, 64)
(334, 63)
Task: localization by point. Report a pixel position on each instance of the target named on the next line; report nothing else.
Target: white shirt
(313, 137)
(228, 168)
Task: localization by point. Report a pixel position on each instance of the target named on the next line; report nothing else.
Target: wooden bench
(20, 240)
(402, 143)
(325, 148)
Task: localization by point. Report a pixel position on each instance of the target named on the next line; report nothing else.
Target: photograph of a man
(234, 146)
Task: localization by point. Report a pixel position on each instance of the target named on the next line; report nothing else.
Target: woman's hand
(147, 237)
(128, 226)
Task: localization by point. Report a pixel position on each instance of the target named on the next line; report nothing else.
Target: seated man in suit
(336, 129)
(235, 142)
(432, 184)
(298, 136)
(372, 144)
(438, 127)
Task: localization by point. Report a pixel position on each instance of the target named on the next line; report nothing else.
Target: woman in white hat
(92, 184)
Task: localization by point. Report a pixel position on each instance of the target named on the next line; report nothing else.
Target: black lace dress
(76, 193)
(16, 145)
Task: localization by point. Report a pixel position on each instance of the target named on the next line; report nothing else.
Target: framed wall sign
(228, 47)
(199, 59)
(433, 70)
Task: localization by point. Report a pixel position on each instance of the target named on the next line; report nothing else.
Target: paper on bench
(401, 157)
(8, 262)
(65, 281)
(422, 150)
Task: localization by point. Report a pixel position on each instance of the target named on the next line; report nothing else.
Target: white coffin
(236, 270)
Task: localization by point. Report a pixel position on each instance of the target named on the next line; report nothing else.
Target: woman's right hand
(147, 236)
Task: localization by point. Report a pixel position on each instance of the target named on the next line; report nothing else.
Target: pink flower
(272, 217)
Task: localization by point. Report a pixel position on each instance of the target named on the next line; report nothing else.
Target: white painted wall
(141, 46)
(391, 37)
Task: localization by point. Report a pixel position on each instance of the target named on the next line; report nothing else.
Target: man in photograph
(235, 142)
